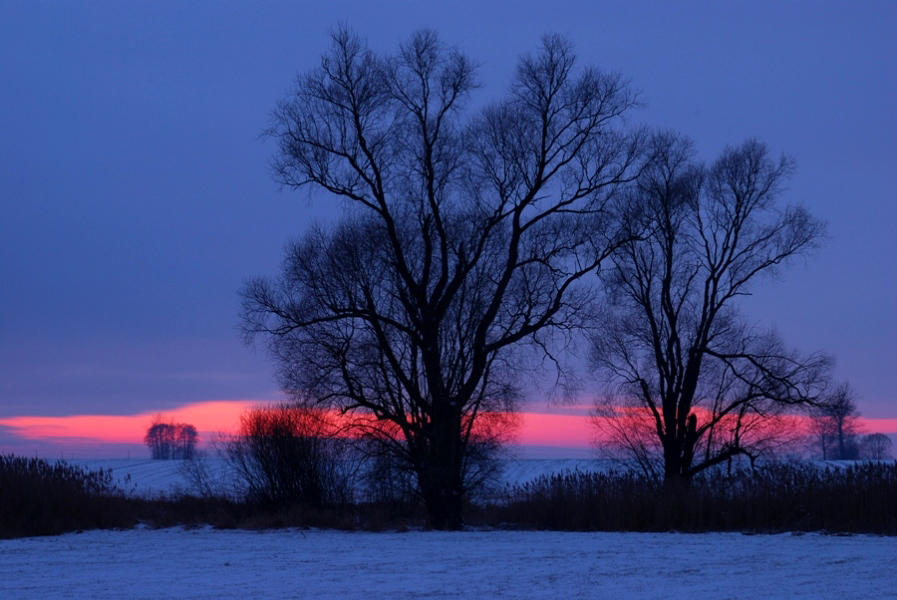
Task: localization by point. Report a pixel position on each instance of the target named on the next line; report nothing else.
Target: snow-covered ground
(145, 477)
(209, 564)
(148, 478)
(142, 477)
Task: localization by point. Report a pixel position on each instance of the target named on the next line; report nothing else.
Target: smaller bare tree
(876, 446)
(671, 345)
(159, 439)
(186, 438)
(835, 424)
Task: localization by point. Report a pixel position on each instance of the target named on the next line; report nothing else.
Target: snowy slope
(142, 477)
(207, 564)
(146, 477)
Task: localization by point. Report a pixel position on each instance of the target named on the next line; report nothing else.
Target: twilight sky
(136, 196)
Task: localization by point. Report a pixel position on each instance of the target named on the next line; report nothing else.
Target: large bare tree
(466, 234)
(686, 375)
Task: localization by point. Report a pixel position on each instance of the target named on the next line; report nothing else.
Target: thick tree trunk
(444, 507)
(677, 470)
(443, 496)
(441, 476)
(678, 454)
(842, 450)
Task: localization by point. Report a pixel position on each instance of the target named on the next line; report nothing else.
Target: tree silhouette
(686, 375)
(285, 455)
(466, 236)
(876, 446)
(171, 440)
(835, 424)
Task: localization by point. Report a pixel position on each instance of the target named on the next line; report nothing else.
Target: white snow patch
(209, 564)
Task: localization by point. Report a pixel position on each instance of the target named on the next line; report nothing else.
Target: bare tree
(170, 440)
(466, 236)
(835, 424)
(670, 344)
(186, 438)
(876, 446)
(159, 438)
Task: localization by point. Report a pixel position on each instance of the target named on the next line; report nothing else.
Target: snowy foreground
(209, 564)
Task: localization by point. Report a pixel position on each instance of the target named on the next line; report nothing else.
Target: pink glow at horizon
(569, 429)
(207, 417)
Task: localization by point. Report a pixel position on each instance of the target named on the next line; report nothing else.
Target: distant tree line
(171, 440)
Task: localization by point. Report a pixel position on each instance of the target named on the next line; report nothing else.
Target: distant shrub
(171, 440)
(40, 498)
(205, 479)
(388, 489)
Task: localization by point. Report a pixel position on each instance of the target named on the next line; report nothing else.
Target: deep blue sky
(136, 196)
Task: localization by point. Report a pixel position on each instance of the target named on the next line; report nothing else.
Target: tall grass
(861, 498)
(40, 498)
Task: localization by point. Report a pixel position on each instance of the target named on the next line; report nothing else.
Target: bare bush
(286, 455)
(204, 479)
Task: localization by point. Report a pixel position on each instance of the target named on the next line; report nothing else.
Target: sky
(136, 197)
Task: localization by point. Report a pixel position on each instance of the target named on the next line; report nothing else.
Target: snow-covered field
(148, 478)
(209, 564)
(142, 477)
(145, 477)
